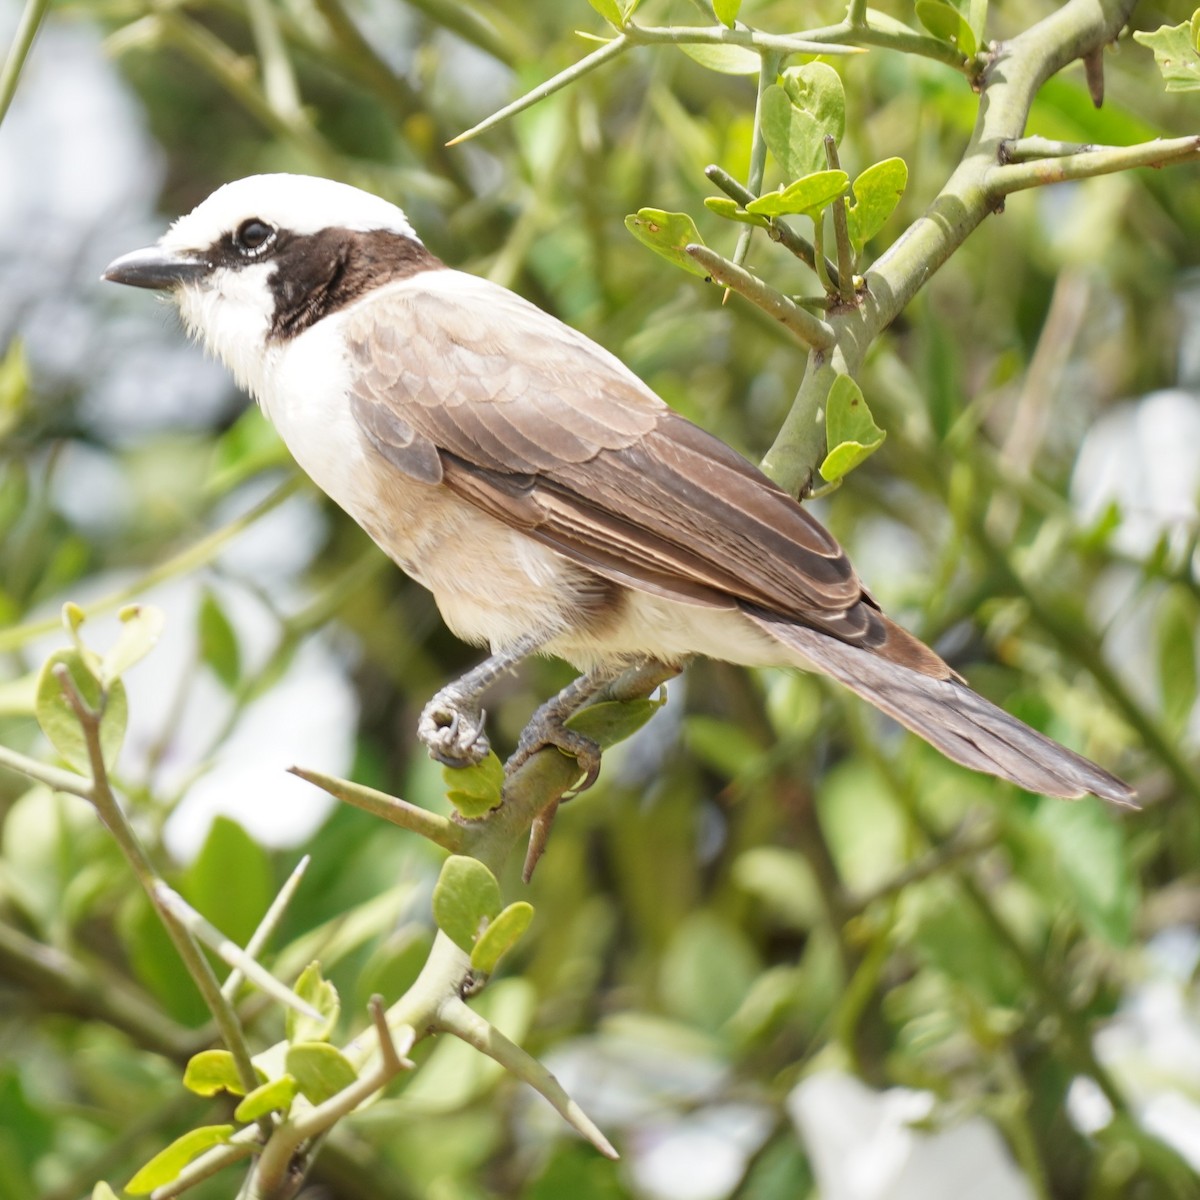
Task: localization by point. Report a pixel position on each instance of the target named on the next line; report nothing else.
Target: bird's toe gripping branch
(547, 729)
(452, 723)
(452, 729)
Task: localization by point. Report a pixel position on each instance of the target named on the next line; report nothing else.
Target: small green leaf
(667, 234)
(322, 995)
(503, 932)
(877, 191)
(1175, 54)
(274, 1096)
(218, 640)
(850, 431)
(727, 11)
(612, 721)
(212, 1071)
(165, 1166)
(1195, 30)
(73, 618)
(319, 1069)
(229, 852)
(817, 89)
(465, 895)
(468, 807)
(732, 211)
(477, 789)
(808, 195)
(793, 136)
(103, 1192)
(946, 22)
(58, 720)
(141, 625)
(728, 60)
(610, 10)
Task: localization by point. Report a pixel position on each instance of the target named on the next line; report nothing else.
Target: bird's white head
(265, 258)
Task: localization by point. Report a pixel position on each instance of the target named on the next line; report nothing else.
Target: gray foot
(451, 728)
(549, 730)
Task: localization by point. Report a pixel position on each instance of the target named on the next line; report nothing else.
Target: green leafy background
(768, 879)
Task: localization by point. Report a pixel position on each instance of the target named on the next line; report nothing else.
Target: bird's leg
(547, 727)
(451, 724)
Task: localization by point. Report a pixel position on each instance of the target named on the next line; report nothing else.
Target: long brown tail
(947, 714)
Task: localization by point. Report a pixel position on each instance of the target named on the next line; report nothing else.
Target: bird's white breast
(305, 394)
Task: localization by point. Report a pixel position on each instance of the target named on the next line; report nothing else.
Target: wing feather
(537, 425)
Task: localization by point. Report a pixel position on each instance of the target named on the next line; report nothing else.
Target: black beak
(156, 268)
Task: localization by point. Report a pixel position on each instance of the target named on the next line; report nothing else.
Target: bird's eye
(253, 237)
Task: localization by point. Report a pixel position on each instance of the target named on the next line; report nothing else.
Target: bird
(551, 502)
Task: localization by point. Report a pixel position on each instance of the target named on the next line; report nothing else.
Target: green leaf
(850, 431)
(1176, 638)
(274, 1096)
(1175, 54)
(877, 191)
(946, 22)
(808, 195)
(103, 1192)
(501, 935)
(732, 211)
(727, 11)
(783, 883)
(141, 625)
(248, 447)
(58, 720)
(1093, 861)
(722, 745)
(612, 721)
(230, 853)
(816, 88)
(728, 60)
(322, 995)
(465, 895)
(667, 234)
(792, 135)
(320, 1070)
(1195, 29)
(706, 971)
(610, 10)
(165, 1166)
(218, 640)
(477, 789)
(213, 1071)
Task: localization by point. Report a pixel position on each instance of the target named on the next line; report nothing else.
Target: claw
(543, 733)
(453, 731)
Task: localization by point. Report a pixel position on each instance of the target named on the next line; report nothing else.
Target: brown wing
(542, 428)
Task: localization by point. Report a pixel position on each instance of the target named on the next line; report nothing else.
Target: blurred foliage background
(769, 884)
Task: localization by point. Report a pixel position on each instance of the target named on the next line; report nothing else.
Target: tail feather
(947, 714)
